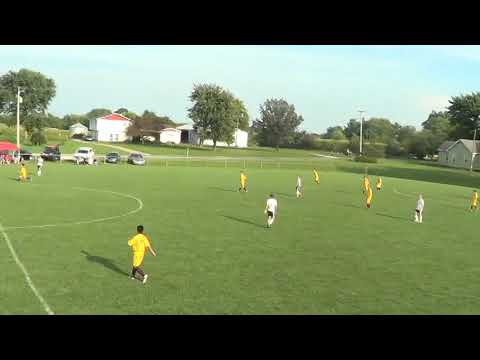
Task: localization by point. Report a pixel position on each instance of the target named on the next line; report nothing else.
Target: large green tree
(352, 128)
(214, 113)
(148, 124)
(439, 128)
(464, 114)
(278, 122)
(335, 133)
(37, 92)
(96, 113)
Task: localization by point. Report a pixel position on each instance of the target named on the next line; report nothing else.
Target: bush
(366, 159)
(38, 138)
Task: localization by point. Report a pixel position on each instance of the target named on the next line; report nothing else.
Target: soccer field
(326, 253)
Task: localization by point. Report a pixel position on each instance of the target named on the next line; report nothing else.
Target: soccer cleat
(145, 278)
(132, 277)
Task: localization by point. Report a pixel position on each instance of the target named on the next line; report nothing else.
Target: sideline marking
(25, 272)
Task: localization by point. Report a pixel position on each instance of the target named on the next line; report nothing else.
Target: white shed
(78, 129)
(170, 136)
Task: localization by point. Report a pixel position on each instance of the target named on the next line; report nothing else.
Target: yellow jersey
(474, 198)
(366, 183)
(243, 178)
(379, 182)
(139, 243)
(23, 172)
(317, 177)
(369, 194)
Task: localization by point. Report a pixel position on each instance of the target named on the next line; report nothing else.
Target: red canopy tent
(7, 146)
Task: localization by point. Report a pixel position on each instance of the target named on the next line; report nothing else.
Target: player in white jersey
(419, 209)
(271, 210)
(299, 187)
(39, 165)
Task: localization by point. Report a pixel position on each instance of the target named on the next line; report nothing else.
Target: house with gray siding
(460, 153)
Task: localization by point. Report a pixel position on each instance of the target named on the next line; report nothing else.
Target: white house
(170, 135)
(189, 135)
(78, 129)
(112, 128)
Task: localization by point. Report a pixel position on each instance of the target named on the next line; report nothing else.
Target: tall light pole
(361, 130)
(19, 100)
(474, 150)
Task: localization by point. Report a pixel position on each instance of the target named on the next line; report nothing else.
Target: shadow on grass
(108, 263)
(394, 217)
(243, 221)
(285, 195)
(350, 206)
(220, 189)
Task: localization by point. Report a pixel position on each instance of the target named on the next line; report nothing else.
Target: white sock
(416, 217)
(270, 221)
(420, 217)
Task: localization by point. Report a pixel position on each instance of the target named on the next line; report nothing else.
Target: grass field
(326, 253)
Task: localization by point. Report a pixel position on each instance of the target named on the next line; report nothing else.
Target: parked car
(136, 159)
(88, 138)
(113, 158)
(51, 153)
(85, 155)
(24, 154)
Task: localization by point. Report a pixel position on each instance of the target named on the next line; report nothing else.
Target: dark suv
(51, 153)
(113, 158)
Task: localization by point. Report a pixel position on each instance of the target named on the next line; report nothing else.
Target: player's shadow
(108, 263)
(393, 217)
(285, 195)
(243, 221)
(220, 189)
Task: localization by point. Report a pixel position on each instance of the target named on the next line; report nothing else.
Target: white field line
(139, 208)
(47, 308)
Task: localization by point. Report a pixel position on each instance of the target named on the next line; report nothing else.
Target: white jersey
(420, 204)
(40, 162)
(299, 182)
(272, 205)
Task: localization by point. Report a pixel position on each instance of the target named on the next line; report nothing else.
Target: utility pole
(361, 130)
(19, 100)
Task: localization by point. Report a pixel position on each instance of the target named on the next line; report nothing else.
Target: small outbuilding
(170, 136)
(78, 129)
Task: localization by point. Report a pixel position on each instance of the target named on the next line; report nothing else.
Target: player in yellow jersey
(474, 202)
(23, 173)
(379, 183)
(140, 243)
(366, 183)
(243, 182)
(369, 196)
(316, 176)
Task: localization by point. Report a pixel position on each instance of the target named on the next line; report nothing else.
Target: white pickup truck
(84, 155)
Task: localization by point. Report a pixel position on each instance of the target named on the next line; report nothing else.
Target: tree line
(216, 113)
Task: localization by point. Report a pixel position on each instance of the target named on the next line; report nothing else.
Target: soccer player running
(299, 187)
(271, 210)
(379, 183)
(39, 166)
(243, 182)
(419, 209)
(474, 201)
(23, 173)
(140, 243)
(366, 184)
(316, 176)
(369, 196)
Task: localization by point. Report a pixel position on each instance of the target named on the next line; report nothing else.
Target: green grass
(326, 253)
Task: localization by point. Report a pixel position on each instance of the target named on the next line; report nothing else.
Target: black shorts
(417, 211)
(270, 214)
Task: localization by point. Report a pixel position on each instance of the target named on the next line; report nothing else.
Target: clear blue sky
(327, 84)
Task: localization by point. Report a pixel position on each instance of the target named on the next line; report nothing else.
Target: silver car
(136, 159)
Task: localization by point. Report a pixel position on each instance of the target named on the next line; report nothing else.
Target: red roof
(7, 146)
(115, 117)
